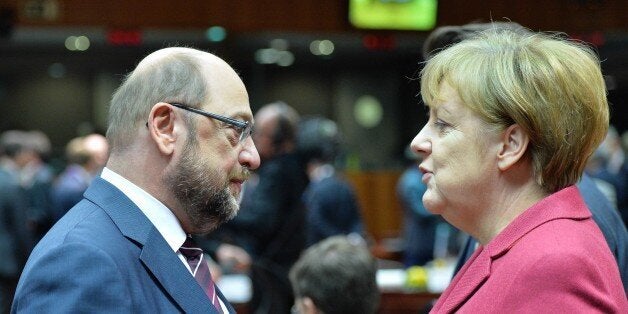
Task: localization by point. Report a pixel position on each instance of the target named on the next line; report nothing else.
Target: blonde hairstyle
(167, 75)
(445, 36)
(552, 87)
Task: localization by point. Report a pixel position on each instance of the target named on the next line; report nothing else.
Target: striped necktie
(200, 270)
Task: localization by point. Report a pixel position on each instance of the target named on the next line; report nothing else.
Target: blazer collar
(472, 275)
(566, 203)
(155, 254)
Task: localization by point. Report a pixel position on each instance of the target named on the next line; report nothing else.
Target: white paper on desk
(438, 278)
(391, 278)
(235, 287)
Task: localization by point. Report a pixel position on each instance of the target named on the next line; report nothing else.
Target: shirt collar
(159, 215)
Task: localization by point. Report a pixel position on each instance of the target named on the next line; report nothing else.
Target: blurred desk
(402, 302)
(390, 248)
(397, 298)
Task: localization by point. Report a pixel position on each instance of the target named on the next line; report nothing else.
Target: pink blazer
(551, 259)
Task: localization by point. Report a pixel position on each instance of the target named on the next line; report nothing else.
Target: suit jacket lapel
(467, 281)
(478, 268)
(224, 300)
(155, 254)
(173, 276)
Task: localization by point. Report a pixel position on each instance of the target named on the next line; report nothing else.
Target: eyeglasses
(244, 127)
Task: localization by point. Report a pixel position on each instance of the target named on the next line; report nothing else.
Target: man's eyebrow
(242, 115)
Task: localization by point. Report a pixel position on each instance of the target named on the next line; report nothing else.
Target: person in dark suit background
(179, 129)
(271, 224)
(604, 214)
(275, 216)
(419, 225)
(13, 237)
(331, 204)
(86, 157)
(25, 155)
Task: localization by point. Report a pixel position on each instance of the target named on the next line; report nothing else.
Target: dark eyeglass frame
(245, 127)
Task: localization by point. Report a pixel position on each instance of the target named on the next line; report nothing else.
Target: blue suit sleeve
(60, 282)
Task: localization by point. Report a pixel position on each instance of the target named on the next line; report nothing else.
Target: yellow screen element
(393, 14)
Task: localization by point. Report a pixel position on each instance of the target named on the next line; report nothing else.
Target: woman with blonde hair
(514, 116)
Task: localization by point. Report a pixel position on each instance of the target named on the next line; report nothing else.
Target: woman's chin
(433, 204)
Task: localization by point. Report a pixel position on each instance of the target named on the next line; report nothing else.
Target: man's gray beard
(196, 187)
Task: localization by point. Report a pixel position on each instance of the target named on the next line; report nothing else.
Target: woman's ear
(161, 127)
(513, 147)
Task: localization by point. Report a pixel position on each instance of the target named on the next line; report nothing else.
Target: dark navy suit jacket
(332, 209)
(105, 256)
(14, 235)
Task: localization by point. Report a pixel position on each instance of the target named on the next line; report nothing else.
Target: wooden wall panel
(376, 192)
(321, 15)
(263, 15)
(558, 15)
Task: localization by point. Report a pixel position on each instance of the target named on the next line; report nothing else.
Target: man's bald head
(168, 75)
(275, 129)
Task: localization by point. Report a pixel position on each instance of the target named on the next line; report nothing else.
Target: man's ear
(513, 147)
(161, 127)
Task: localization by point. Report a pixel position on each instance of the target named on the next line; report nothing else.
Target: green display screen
(393, 14)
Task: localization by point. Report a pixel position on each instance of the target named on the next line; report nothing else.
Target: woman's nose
(421, 144)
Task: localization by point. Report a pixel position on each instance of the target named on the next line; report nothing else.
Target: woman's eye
(440, 124)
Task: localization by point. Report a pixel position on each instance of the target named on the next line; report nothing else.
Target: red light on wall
(595, 38)
(124, 37)
(379, 42)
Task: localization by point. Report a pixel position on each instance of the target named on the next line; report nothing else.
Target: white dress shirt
(159, 215)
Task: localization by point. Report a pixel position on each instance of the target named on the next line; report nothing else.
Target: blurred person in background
(419, 225)
(624, 142)
(14, 235)
(596, 169)
(271, 225)
(624, 170)
(86, 156)
(610, 167)
(604, 213)
(336, 275)
(514, 116)
(25, 160)
(36, 178)
(331, 203)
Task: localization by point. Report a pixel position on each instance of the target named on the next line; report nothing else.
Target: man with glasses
(179, 132)
(271, 225)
